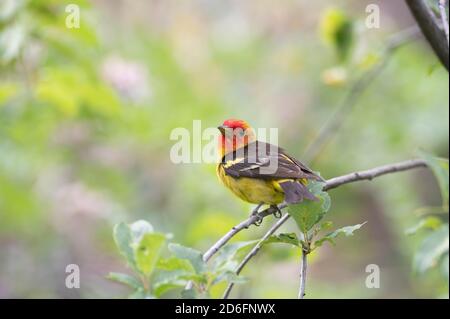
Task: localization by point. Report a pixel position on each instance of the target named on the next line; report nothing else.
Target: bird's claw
(254, 213)
(277, 213)
(258, 220)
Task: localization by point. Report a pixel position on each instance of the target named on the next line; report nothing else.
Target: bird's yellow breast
(252, 190)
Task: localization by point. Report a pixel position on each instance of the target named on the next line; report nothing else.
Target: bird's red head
(234, 135)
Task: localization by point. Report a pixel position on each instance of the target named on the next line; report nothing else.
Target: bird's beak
(222, 128)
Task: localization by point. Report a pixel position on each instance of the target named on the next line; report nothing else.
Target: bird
(260, 173)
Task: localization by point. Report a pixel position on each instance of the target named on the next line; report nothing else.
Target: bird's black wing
(265, 161)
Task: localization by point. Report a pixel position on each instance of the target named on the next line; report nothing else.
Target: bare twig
(255, 250)
(333, 124)
(430, 28)
(252, 220)
(330, 184)
(374, 172)
(443, 12)
(303, 267)
(236, 229)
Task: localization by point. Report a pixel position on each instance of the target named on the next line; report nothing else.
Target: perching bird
(258, 172)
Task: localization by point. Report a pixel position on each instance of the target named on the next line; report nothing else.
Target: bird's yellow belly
(252, 190)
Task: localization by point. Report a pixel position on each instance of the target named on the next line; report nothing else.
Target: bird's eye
(241, 132)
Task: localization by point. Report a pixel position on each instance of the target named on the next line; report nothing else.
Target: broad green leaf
(147, 252)
(179, 274)
(162, 288)
(290, 239)
(430, 222)
(308, 213)
(431, 250)
(125, 279)
(439, 166)
(192, 255)
(347, 231)
(174, 263)
(324, 226)
(167, 280)
(228, 266)
(123, 240)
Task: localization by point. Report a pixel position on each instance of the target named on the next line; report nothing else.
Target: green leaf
(125, 279)
(189, 294)
(123, 239)
(290, 239)
(195, 257)
(431, 250)
(231, 277)
(167, 280)
(139, 294)
(347, 231)
(174, 263)
(139, 229)
(162, 288)
(439, 166)
(337, 29)
(229, 251)
(147, 252)
(325, 225)
(430, 222)
(308, 213)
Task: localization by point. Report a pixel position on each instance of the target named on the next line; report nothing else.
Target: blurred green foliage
(143, 248)
(86, 114)
(433, 250)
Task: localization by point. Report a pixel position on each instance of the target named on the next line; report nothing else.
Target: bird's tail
(295, 191)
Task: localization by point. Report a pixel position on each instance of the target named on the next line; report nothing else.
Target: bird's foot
(277, 213)
(254, 213)
(258, 220)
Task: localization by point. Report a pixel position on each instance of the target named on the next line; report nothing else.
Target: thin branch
(443, 12)
(374, 172)
(357, 89)
(430, 28)
(236, 229)
(303, 267)
(331, 184)
(255, 250)
(252, 220)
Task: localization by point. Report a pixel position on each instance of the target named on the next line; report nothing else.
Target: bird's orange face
(234, 135)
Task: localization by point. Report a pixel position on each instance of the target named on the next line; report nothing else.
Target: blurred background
(86, 114)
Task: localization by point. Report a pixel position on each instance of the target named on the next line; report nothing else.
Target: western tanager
(258, 172)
